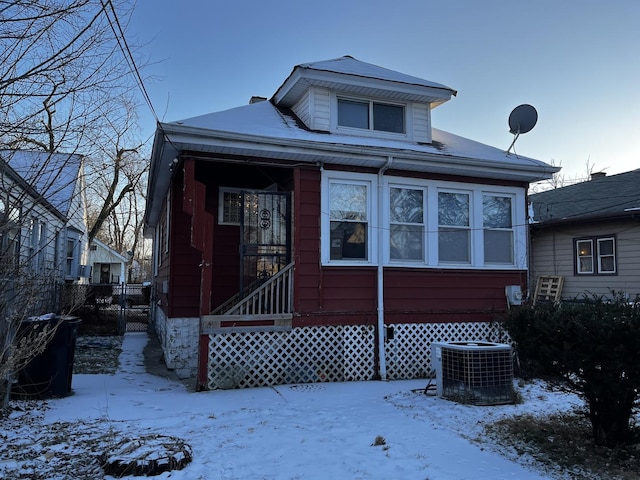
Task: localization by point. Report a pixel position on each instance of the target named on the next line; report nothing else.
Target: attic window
(369, 115)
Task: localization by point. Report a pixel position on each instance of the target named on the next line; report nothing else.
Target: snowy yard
(363, 430)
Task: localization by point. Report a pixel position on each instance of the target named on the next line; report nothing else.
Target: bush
(592, 345)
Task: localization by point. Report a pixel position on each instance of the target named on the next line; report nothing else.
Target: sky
(576, 61)
(353, 430)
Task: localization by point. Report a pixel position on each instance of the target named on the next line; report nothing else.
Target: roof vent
(598, 175)
(256, 99)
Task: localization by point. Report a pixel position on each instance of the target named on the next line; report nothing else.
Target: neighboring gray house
(43, 223)
(589, 234)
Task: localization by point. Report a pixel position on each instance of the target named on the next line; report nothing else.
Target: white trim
(221, 192)
(431, 189)
(370, 132)
(371, 182)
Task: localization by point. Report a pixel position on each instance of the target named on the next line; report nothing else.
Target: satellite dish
(522, 120)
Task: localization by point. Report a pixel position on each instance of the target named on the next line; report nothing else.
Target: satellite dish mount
(522, 120)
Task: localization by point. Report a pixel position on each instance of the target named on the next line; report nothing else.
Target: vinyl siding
(552, 254)
(314, 109)
(421, 123)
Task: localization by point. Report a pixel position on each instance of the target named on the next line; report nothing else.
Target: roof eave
(172, 138)
(300, 80)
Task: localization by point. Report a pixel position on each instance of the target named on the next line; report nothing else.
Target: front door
(105, 273)
(265, 237)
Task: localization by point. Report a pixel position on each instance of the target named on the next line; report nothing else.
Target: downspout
(381, 328)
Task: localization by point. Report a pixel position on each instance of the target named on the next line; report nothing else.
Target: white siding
(552, 254)
(421, 122)
(314, 109)
(321, 109)
(302, 109)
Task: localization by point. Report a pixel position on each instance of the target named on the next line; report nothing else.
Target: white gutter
(381, 327)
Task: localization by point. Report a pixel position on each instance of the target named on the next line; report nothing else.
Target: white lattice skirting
(409, 353)
(330, 353)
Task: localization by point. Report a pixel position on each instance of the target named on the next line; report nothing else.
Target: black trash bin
(48, 374)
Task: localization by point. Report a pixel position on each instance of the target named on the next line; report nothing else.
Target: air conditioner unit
(476, 373)
(513, 294)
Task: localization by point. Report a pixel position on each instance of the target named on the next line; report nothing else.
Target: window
(229, 206)
(406, 223)
(497, 221)
(421, 223)
(595, 256)
(369, 115)
(70, 251)
(349, 220)
(454, 232)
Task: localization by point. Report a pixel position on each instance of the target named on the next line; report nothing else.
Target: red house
(330, 233)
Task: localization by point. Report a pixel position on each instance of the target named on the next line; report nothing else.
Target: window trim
(511, 229)
(596, 256)
(370, 181)
(221, 192)
(378, 233)
(387, 221)
(336, 127)
(466, 228)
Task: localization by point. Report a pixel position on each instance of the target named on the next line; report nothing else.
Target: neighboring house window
(72, 255)
(595, 256)
(229, 206)
(9, 237)
(349, 221)
(454, 229)
(406, 223)
(370, 115)
(42, 245)
(497, 220)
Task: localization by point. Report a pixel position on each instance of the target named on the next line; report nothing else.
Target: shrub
(594, 346)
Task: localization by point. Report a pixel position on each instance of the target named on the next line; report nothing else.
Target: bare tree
(559, 179)
(65, 86)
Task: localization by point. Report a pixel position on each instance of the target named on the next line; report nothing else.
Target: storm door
(265, 237)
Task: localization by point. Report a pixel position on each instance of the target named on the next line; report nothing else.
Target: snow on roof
(351, 66)
(52, 175)
(349, 75)
(263, 119)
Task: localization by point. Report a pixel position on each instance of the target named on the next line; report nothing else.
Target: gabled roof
(52, 175)
(349, 75)
(117, 257)
(612, 197)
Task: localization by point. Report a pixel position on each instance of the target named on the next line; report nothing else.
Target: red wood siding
(428, 295)
(335, 295)
(184, 280)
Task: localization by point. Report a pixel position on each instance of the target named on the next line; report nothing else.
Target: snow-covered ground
(311, 431)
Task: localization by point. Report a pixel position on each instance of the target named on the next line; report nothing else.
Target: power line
(126, 51)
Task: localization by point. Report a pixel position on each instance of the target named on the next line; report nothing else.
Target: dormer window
(370, 115)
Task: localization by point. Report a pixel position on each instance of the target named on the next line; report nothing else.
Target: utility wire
(126, 51)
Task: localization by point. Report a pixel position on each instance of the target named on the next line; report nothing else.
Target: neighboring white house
(107, 265)
(43, 217)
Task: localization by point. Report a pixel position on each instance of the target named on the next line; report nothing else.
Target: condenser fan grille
(475, 373)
